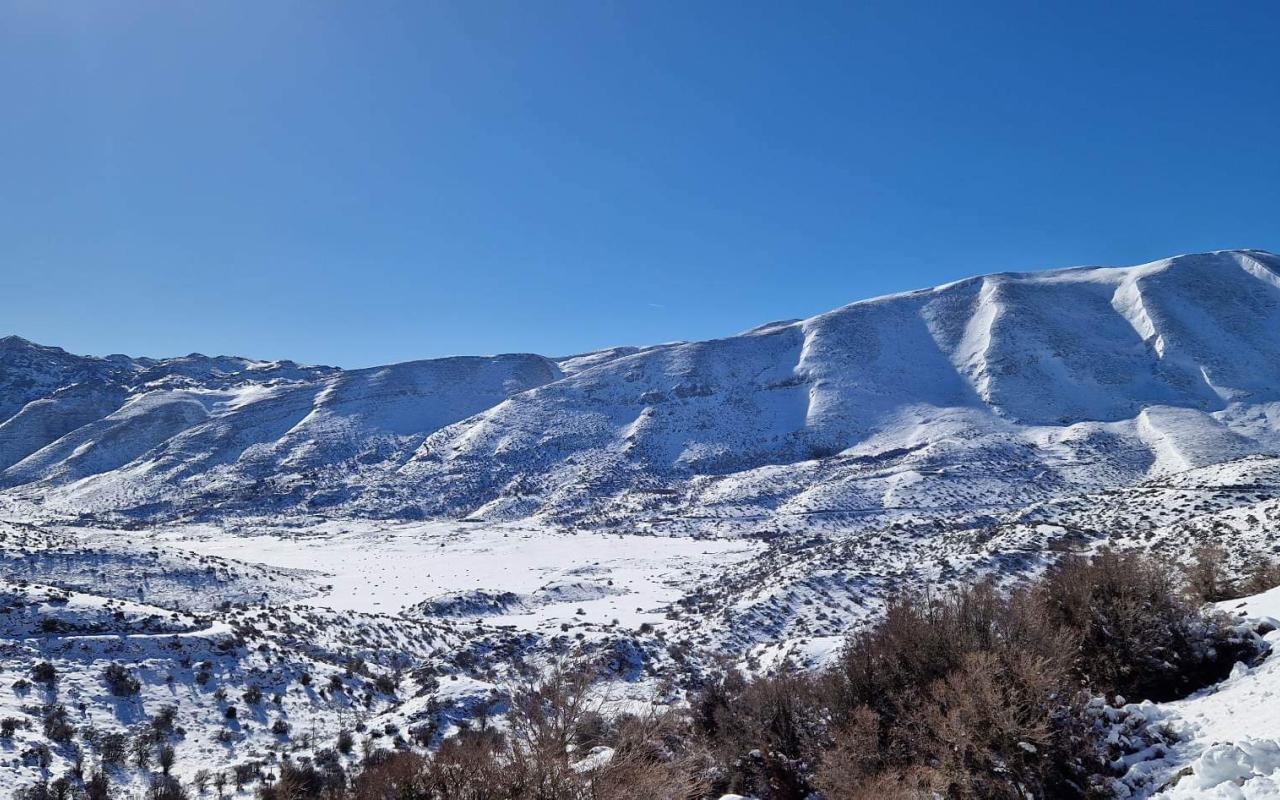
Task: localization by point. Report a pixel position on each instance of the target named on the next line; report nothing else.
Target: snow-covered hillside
(984, 393)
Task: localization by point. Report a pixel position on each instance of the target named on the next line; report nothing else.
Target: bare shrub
(395, 775)
(651, 756)
(1209, 577)
(470, 767)
(1139, 635)
(44, 672)
(57, 724)
(761, 732)
(164, 787)
(120, 680)
(1259, 575)
(544, 720)
(98, 787)
(976, 693)
(166, 758)
(302, 781)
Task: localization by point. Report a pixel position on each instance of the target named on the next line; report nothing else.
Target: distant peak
(769, 326)
(19, 343)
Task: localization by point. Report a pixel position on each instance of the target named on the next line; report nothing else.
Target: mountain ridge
(1142, 369)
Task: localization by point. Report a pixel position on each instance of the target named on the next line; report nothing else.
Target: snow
(1222, 742)
(1248, 770)
(595, 759)
(1263, 606)
(372, 567)
(1238, 727)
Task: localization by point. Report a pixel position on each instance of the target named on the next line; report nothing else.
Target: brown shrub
(992, 730)
(547, 723)
(1139, 635)
(1259, 575)
(391, 776)
(468, 767)
(762, 733)
(652, 758)
(1209, 577)
(975, 693)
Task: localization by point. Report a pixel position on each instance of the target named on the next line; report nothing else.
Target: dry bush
(1209, 576)
(1259, 575)
(304, 781)
(548, 724)
(391, 776)
(975, 693)
(1000, 727)
(1140, 635)
(652, 758)
(761, 734)
(951, 695)
(854, 765)
(915, 783)
(544, 721)
(470, 767)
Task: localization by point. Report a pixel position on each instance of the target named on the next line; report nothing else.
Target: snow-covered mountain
(228, 529)
(985, 393)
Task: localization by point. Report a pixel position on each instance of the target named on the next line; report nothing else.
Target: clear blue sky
(357, 183)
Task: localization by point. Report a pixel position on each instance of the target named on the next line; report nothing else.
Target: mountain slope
(979, 395)
(1138, 368)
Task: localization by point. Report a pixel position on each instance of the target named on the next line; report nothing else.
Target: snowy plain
(387, 567)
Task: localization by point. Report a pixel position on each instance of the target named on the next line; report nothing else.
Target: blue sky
(357, 183)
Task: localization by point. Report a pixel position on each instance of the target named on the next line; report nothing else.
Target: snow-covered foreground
(1223, 742)
(1232, 730)
(405, 630)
